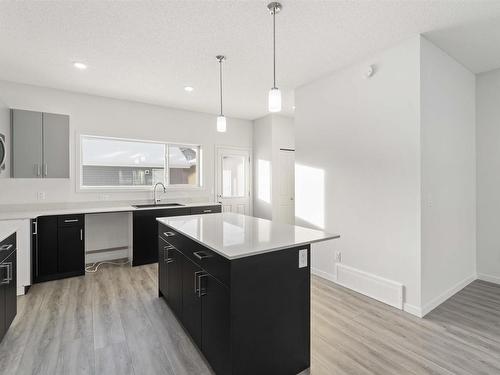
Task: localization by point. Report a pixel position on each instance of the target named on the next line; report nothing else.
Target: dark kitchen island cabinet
(240, 286)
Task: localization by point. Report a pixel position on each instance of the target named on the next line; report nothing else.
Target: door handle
(196, 289)
(169, 234)
(81, 234)
(201, 255)
(165, 255)
(71, 221)
(45, 169)
(37, 169)
(35, 227)
(7, 266)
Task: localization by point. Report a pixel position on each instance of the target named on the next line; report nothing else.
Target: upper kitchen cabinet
(40, 144)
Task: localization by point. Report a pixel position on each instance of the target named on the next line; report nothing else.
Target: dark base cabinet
(249, 315)
(58, 247)
(145, 230)
(8, 279)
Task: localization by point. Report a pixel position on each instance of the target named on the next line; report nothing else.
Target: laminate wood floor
(113, 322)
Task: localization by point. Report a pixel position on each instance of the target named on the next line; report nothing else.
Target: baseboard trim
(413, 310)
(489, 278)
(435, 302)
(323, 274)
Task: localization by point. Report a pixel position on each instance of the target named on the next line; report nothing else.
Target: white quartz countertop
(7, 228)
(29, 211)
(236, 236)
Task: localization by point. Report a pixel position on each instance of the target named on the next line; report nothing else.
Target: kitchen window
(111, 163)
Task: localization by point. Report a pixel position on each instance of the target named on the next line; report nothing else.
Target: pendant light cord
(220, 81)
(274, 48)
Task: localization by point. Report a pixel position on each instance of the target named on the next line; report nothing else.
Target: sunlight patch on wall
(264, 180)
(310, 195)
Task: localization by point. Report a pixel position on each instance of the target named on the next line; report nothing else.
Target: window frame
(131, 188)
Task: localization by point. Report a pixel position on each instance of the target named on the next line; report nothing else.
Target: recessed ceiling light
(188, 88)
(80, 65)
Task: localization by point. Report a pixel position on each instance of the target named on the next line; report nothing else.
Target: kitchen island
(240, 286)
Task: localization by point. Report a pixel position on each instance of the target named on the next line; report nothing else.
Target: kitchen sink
(148, 205)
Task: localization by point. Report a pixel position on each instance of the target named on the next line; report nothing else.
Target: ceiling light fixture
(188, 88)
(80, 65)
(221, 119)
(274, 93)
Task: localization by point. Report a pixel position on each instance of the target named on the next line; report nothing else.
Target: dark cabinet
(192, 294)
(145, 233)
(58, 247)
(216, 336)
(145, 230)
(162, 267)
(174, 260)
(8, 278)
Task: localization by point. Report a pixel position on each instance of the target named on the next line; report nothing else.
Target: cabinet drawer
(7, 246)
(206, 209)
(210, 261)
(70, 220)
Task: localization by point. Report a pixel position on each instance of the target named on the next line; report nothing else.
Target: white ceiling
(476, 44)
(148, 51)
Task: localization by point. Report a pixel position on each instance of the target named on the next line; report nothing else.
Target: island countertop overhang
(235, 236)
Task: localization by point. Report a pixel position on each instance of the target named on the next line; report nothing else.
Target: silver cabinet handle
(81, 234)
(207, 211)
(37, 169)
(45, 169)
(201, 291)
(35, 227)
(169, 234)
(9, 273)
(5, 247)
(201, 255)
(196, 289)
(71, 221)
(165, 255)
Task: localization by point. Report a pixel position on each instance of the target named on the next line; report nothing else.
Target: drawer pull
(9, 273)
(196, 288)
(201, 255)
(5, 247)
(207, 211)
(71, 221)
(201, 291)
(169, 234)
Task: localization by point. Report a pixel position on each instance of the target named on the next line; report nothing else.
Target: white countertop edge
(28, 214)
(252, 253)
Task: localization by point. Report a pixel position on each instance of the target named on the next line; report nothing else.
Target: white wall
(117, 118)
(488, 175)
(262, 161)
(357, 146)
(271, 133)
(448, 175)
(5, 130)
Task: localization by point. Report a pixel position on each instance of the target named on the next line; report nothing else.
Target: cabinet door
(191, 299)
(174, 281)
(45, 258)
(3, 276)
(26, 144)
(10, 290)
(145, 233)
(215, 323)
(55, 145)
(71, 252)
(162, 267)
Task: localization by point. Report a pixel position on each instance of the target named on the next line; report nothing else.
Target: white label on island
(302, 258)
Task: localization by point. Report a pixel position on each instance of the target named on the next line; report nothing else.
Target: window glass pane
(183, 165)
(233, 176)
(111, 162)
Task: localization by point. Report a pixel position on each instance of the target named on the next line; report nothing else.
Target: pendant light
(221, 119)
(274, 93)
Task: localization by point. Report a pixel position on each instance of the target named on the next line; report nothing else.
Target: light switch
(302, 258)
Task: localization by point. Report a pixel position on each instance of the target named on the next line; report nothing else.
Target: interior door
(233, 180)
(286, 182)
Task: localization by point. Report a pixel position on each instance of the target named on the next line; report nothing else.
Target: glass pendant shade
(274, 100)
(221, 124)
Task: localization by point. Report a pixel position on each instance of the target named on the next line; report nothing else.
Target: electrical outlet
(338, 257)
(302, 258)
(40, 196)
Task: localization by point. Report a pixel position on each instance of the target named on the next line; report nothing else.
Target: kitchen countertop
(7, 228)
(236, 236)
(29, 211)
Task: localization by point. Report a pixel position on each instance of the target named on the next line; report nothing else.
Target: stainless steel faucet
(154, 191)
